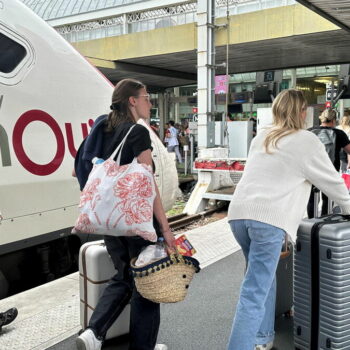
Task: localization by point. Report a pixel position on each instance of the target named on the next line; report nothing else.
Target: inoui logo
(17, 142)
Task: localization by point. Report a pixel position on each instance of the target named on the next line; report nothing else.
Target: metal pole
(332, 99)
(293, 78)
(161, 106)
(192, 151)
(206, 72)
(224, 141)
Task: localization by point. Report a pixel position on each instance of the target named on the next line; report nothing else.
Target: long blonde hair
(286, 110)
(345, 122)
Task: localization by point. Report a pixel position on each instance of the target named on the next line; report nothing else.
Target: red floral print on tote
(83, 224)
(130, 188)
(144, 234)
(112, 169)
(88, 194)
(118, 201)
(133, 185)
(137, 211)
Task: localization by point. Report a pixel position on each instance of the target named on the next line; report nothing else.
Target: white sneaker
(88, 341)
(161, 347)
(267, 346)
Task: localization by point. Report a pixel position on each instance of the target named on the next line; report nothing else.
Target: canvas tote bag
(118, 200)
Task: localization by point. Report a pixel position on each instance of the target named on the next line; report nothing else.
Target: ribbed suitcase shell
(99, 269)
(333, 321)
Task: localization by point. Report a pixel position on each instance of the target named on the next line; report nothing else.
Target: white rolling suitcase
(95, 270)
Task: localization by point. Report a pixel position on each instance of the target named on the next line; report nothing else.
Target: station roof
(52, 9)
(283, 37)
(279, 38)
(336, 11)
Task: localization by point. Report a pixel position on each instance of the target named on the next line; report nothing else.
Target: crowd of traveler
(283, 162)
(291, 160)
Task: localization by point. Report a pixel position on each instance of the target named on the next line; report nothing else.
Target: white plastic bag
(151, 253)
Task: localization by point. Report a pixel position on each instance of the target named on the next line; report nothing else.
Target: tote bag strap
(120, 147)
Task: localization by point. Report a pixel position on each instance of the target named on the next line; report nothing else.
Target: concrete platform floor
(203, 320)
(49, 315)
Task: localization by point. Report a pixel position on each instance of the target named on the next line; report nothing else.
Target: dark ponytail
(120, 102)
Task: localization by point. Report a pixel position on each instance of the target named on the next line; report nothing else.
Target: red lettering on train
(17, 139)
(84, 129)
(70, 139)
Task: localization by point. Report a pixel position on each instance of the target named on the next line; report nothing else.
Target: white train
(49, 97)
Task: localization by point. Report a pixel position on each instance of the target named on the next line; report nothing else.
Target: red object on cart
(219, 165)
(238, 166)
(346, 178)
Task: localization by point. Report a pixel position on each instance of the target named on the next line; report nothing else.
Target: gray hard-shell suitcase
(95, 270)
(322, 284)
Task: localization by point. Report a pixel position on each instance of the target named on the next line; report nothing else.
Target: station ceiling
(178, 69)
(336, 11)
(280, 38)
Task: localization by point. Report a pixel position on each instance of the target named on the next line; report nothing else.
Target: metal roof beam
(324, 14)
(137, 68)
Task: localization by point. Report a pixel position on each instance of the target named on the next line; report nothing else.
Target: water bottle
(97, 160)
(160, 251)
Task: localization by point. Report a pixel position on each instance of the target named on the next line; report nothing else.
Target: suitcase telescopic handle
(335, 217)
(285, 252)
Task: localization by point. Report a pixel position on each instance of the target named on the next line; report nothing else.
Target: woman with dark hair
(130, 102)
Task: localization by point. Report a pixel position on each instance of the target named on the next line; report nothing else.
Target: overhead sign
(221, 84)
(329, 94)
(240, 97)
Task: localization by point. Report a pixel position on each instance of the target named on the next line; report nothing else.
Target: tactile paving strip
(44, 329)
(212, 242)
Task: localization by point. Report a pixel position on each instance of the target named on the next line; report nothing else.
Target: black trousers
(120, 290)
(311, 204)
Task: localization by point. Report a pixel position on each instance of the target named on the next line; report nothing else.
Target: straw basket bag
(165, 280)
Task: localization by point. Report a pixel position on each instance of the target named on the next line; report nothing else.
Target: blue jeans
(255, 313)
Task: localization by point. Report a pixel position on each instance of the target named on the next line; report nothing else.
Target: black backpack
(328, 138)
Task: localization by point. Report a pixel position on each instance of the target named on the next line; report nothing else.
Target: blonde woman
(345, 126)
(268, 203)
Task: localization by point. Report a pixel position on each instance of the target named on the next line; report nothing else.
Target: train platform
(49, 315)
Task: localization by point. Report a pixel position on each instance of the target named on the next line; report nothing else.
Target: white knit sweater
(275, 188)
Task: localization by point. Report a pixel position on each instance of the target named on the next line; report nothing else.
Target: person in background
(333, 140)
(172, 140)
(268, 203)
(155, 127)
(254, 120)
(166, 134)
(130, 102)
(345, 126)
(7, 317)
(183, 135)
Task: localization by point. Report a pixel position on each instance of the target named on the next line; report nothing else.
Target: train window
(12, 53)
